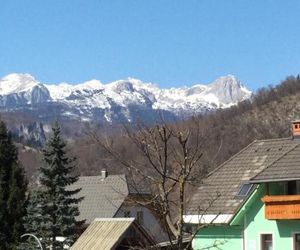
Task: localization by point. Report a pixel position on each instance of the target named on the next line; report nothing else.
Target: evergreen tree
(61, 206)
(36, 221)
(12, 192)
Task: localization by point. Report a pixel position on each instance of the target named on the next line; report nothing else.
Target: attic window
(127, 214)
(245, 189)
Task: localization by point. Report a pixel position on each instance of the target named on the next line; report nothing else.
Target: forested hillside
(268, 115)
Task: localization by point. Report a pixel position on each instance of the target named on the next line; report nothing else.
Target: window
(297, 241)
(293, 187)
(127, 214)
(266, 241)
(140, 217)
(245, 189)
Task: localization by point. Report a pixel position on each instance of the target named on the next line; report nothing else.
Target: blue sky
(168, 42)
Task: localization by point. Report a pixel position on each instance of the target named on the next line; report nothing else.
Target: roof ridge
(271, 163)
(225, 162)
(276, 139)
(87, 176)
(121, 219)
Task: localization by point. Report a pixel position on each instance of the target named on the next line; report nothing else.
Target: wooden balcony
(282, 207)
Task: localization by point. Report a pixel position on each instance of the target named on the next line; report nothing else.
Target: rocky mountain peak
(228, 81)
(19, 77)
(15, 83)
(229, 90)
(91, 84)
(122, 85)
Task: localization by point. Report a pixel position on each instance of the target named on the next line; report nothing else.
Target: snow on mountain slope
(63, 90)
(123, 99)
(16, 83)
(21, 89)
(222, 93)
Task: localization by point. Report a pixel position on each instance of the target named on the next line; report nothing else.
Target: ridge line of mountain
(122, 100)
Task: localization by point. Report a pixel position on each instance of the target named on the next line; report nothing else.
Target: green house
(251, 201)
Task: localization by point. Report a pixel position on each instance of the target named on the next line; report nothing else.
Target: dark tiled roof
(285, 168)
(103, 197)
(218, 192)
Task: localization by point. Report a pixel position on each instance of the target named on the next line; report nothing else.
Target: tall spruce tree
(61, 208)
(12, 192)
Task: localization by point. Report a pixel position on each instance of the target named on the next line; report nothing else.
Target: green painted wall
(219, 237)
(254, 224)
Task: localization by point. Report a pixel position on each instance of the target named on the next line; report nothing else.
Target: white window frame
(260, 237)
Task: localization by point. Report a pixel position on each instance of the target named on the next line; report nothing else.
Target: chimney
(104, 173)
(296, 128)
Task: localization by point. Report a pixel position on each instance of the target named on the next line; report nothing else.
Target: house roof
(103, 234)
(218, 192)
(285, 168)
(103, 197)
(107, 234)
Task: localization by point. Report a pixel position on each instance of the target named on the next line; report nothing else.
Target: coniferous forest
(49, 210)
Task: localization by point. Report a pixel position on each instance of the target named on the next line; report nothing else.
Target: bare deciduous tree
(169, 158)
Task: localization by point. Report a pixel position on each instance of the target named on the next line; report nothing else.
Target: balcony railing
(282, 207)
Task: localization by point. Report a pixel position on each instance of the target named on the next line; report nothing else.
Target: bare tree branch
(168, 157)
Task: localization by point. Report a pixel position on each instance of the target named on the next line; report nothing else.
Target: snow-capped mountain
(119, 101)
(22, 89)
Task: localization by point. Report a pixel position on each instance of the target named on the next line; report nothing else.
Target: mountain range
(116, 102)
(226, 132)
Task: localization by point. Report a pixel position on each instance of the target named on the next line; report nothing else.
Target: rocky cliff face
(31, 133)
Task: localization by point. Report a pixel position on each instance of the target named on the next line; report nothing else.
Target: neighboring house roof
(218, 193)
(103, 196)
(108, 233)
(103, 234)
